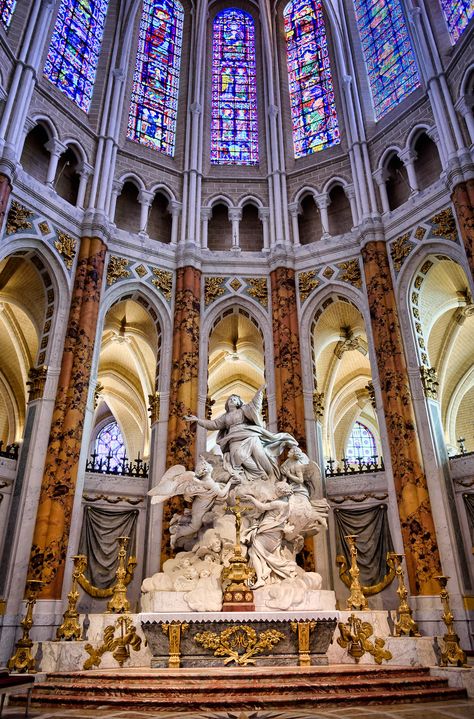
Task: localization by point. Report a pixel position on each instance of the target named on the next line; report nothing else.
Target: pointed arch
(457, 15)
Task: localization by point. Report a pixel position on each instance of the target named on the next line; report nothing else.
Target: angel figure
(198, 484)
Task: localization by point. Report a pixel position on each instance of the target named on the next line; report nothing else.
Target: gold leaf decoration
(213, 288)
(350, 272)
(140, 270)
(18, 218)
(117, 269)
(445, 225)
(235, 284)
(163, 281)
(399, 250)
(239, 643)
(257, 288)
(66, 246)
(307, 283)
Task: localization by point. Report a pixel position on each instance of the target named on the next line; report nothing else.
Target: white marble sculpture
(282, 506)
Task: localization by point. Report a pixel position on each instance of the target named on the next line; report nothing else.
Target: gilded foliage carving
(18, 218)
(163, 281)
(213, 289)
(350, 272)
(117, 269)
(307, 283)
(399, 250)
(258, 289)
(66, 246)
(239, 644)
(445, 225)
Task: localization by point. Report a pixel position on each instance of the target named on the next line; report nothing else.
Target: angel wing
(176, 480)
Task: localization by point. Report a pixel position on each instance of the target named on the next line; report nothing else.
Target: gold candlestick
(235, 577)
(22, 660)
(70, 628)
(356, 599)
(405, 624)
(452, 653)
(119, 603)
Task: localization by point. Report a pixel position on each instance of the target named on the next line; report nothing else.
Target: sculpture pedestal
(209, 639)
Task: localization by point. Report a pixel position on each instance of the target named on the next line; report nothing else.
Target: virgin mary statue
(249, 450)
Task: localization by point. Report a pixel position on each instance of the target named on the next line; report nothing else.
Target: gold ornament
(22, 660)
(350, 273)
(452, 652)
(163, 281)
(429, 380)
(345, 575)
(303, 631)
(236, 284)
(18, 218)
(356, 599)
(236, 577)
(66, 246)
(70, 628)
(445, 225)
(318, 405)
(36, 382)
(97, 592)
(119, 646)
(239, 643)
(174, 631)
(399, 250)
(154, 407)
(307, 283)
(117, 269)
(257, 288)
(354, 636)
(119, 603)
(405, 624)
(99, 388)
(213, 288)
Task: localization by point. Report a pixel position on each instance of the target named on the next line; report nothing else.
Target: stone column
(263, 216)
(323, 203)
(380, 177)
(85, 172)
(349, 192)
(416, 520)
(206, 214)
(183, 385)
(463, 200)
(5, 192)
(464, 107)
(56, 149)
(53, 520)
(286, 344)
(176, 208)
(235, 215)
(117, 188)
(145, 198)
(294, 210)
(408, 158)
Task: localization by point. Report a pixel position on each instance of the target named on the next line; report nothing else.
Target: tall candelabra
(119, 603)
(22, 660)
(405, 624)
(452, 652)
(70, 628)
(356, 599)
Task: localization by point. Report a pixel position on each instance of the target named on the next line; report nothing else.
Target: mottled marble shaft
(463, 201)
(53, 520)
(418, 531)
(5, 191)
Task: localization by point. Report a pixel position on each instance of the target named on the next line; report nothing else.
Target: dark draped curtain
(469, 504)
(373, 540)
(100, 531)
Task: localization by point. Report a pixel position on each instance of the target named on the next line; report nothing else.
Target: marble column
(463, 200)
(414, 508)
(56, 149)
(5, 191)
(286, 345)
(53, 520)
(183, 385)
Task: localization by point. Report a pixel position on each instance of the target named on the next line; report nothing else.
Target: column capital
(273, 110)
(84, 169)
(196, 108)
(29, 125)
(464, 104)
(433, 134)
(263, 213)
(294, 208)
(206, 213)
(380, 175)
(55, 147)
(117, 187)
(408, 156)
(349, 191)
(235, 214)
(118, 74)
(145, 197)
(323, 200)
(175, 208)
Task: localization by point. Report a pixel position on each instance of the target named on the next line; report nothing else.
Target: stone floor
(437, 710)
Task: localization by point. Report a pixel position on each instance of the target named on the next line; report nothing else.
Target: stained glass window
(109, 446)
(388, 52)
(154, 104)
(234, 124)
(457, 14)
(74, 50)
(313, 108)
(6, 11)
(361, 443)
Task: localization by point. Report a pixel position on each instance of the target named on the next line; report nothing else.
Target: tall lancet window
(6, 11)
(457, 14)
(234, 124)
(388, 53)
(75, 48)
(154, 103)
(313, 109)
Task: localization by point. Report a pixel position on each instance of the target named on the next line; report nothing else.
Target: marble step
(275, 687)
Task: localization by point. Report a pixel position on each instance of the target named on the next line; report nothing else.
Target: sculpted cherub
(198, 484)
